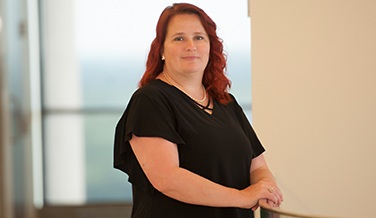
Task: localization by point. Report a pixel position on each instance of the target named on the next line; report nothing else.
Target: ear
(161, 52)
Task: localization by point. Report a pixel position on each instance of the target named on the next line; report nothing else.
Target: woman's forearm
(261, 174)
(191, 188)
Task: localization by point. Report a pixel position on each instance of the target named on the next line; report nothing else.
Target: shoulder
(233, 103)
(156, 95)
(232, 97)
(154, 90)
(155, 86)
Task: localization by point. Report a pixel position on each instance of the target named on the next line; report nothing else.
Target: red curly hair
(214, 79)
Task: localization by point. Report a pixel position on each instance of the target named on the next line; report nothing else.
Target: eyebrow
(196, 33)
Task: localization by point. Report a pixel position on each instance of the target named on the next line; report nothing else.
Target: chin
(194, 69)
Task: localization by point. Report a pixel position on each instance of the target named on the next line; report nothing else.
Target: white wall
(314, 101)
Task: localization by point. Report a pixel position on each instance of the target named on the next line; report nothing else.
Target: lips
(190, 58)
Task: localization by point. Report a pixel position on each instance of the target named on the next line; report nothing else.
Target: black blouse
(218, 146)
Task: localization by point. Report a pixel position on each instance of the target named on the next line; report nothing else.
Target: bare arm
(160, 161)
(263, 178)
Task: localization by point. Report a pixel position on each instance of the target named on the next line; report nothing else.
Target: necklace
(194, 99)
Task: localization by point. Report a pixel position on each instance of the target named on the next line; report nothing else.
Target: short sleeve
(151, 116)
(147, 115)
(248, 129)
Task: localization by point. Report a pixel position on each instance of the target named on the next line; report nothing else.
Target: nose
(191, 45)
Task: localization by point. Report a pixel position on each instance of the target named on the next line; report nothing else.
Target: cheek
(207, 53)
(206, 50)
(171, 51)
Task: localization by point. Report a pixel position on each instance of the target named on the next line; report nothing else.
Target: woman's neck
(191, 84)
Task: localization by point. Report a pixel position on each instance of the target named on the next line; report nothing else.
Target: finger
(279, 198)
(277, 192)
(263, 202)
(272, 187)
(279, 195)
(272, 197)
(271, 203)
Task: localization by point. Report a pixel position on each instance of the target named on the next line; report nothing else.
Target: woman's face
(187, 45)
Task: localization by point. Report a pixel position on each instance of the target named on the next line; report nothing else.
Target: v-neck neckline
(206, 108)
(198, 105)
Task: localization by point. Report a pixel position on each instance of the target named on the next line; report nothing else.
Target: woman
(183, 140)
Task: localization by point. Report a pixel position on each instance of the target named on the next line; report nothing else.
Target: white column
(64, 133)
(35, 102)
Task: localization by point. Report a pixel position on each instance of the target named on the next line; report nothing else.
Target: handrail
(269, 212)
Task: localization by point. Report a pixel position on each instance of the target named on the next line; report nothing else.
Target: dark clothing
(218, 146)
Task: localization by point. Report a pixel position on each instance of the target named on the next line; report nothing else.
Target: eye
(178, 39)
(199, 37)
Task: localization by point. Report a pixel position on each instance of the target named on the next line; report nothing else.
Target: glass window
(94, 54)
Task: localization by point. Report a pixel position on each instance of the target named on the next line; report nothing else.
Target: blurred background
(68, 69)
